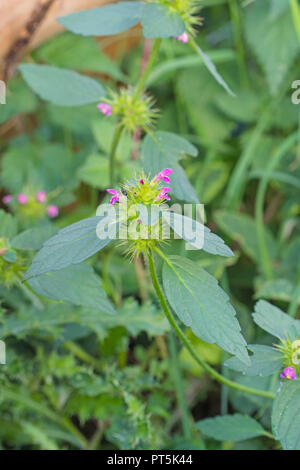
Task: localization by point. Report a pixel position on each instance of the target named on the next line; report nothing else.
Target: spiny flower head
(290, 350)
(138, 201)
(188, 10)
(133, 111)
(289, 373)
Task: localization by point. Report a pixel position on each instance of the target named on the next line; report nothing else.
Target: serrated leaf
(159, 22)
(163, 150)
(61, 86)
(286, 415)
(201, 304)
(273, 320)
(196, 234)
(235, 427)
(265, 361)
(77, 284)
(279, 50)
(72, 245)
(103, 21)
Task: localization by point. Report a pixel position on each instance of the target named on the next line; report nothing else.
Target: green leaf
(8, 225)
(61, 86)
(33, 238)
(242, 228)
(279, 50)
(72, 245)
(235, 427)
(201, 304)
(273, 320)
(77, 284)
(95, 171)
(137, 318)
(163, 151)
(79, 53)
(286, 415)
(159, 22)
(196, 234)
(265, 361)
(277, 289)
(103, 21)
(212, 69)
(21, 100)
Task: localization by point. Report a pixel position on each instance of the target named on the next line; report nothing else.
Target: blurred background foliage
(77, 377)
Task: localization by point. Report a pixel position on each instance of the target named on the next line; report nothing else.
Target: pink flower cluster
(40, 197)
(163, 194)
(288, 373)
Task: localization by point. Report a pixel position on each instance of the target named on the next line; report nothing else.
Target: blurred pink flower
(184, 37)
(52, 211)
(104, 108)
(22, 198)
(7, 199)
(41, 197)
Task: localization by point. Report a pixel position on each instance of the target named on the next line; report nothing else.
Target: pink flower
(163, 194)
(41, 197)
(52, 211)
(104, 108)
(164, 175)
(116, 196)
(22, 199)
(142, 181)
(288, 373)
(7, 199)
(184, 37)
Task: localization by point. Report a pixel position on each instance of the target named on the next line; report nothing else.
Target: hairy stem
(114, 146)
(179, 387)
(142, 81)
(238, 40)
(220, 378)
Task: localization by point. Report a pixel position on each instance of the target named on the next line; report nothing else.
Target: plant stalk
(220, 378)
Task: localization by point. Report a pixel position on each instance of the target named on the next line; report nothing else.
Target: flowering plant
(127, 296)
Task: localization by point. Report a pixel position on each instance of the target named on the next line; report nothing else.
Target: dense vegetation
(206, 356)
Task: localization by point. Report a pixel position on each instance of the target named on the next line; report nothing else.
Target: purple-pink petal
(164, 175)
(288, 373)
